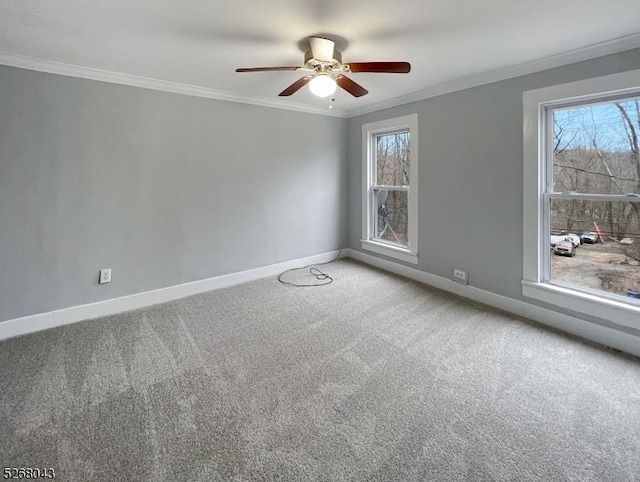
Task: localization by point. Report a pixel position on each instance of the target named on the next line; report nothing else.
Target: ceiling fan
(324, 62)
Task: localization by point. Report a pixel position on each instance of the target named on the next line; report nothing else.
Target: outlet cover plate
(460, 276)
(105, 276)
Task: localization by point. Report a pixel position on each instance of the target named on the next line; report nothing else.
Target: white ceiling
(200, 43)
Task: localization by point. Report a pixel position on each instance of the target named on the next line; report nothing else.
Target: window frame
(537, 107)
(368, 242)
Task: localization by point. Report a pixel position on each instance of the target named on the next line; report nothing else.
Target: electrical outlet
(105, 276)
(460, 276)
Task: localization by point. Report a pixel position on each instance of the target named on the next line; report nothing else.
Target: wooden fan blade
(296, 86)
(268, 69)
(380, 67)
(350, 86)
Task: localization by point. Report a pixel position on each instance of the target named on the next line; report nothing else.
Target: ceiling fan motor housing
(320, 65)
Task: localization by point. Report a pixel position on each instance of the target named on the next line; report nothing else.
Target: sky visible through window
(579, 125)
(597, 148)
(596, 151)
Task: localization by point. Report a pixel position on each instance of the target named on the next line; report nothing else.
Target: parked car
(557, 237)
(589, 237)
(565, 248)
(575, 239)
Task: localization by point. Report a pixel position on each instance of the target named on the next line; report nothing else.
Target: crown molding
(578, 55)
(90, 73)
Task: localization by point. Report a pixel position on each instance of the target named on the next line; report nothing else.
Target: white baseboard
(597, 333)
(582, 328)
(65, 316)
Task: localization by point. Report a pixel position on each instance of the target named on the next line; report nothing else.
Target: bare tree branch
(557, 134)
(632, 134)
(599, 152)
(593, 172)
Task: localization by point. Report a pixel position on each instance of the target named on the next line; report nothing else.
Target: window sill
(587, 304)
(401, 254)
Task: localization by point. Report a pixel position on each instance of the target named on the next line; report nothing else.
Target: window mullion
(545, 254)
(390, 188)
(547, 143)
(593, 197)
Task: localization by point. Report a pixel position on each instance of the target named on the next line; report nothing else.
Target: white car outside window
(556, 238)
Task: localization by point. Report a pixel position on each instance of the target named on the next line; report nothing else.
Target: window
(390, 181)
(582, 197)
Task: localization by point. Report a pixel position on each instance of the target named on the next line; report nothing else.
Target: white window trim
(534, 222)
(369, 131)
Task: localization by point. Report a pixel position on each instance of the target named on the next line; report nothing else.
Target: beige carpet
(373, 377)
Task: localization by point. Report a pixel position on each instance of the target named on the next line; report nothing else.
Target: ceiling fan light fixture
(327, 72)
(322, 85)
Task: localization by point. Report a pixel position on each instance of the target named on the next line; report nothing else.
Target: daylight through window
(390, 197)
(391, 187)
(593, 196)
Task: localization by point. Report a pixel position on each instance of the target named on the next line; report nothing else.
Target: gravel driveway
(598, 266)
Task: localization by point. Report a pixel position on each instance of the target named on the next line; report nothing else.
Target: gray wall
(162, 188)
(167, 189)
(470, 192)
